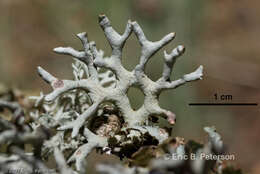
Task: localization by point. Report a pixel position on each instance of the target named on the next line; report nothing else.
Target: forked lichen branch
(97, 83)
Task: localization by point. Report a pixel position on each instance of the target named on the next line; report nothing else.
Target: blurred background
(222, 35)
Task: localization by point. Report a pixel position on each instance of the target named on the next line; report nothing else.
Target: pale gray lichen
(214, 139)
(15, 135)
(96, 107)
(75, 104)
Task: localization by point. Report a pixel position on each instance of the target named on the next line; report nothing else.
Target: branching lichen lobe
(112, 86)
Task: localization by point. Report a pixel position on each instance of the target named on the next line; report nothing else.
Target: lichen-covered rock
(175, 156)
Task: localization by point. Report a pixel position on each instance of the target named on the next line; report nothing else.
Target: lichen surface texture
(95, 105)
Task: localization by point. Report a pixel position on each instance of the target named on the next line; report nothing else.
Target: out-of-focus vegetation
(221, 35)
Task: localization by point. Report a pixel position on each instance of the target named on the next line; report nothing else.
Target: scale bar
(223, 104)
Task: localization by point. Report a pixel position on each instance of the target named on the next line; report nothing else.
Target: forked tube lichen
(122, 80)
